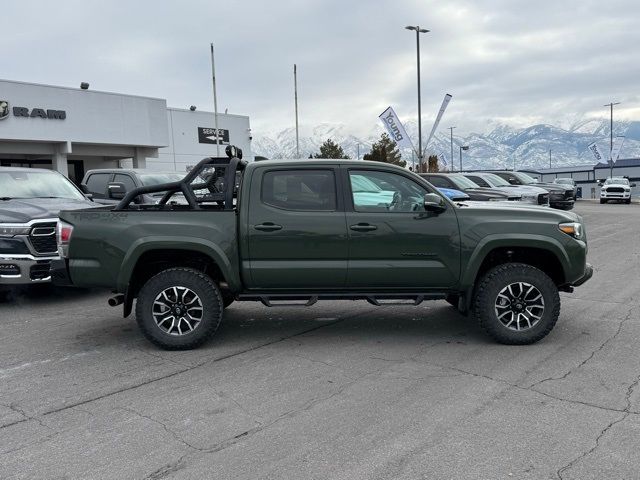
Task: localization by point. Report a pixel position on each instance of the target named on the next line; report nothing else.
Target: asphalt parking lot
(340, 390)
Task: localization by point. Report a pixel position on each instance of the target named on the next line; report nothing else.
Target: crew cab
(616, 188)
(30, 200)
(295, 232)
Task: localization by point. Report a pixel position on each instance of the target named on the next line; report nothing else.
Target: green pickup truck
(294, 232)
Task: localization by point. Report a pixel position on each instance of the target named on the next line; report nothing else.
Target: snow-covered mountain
(501, 147)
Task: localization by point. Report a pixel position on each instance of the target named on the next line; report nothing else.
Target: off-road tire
(498, 278)
(628, 201)
(602, 201)
(202, 285)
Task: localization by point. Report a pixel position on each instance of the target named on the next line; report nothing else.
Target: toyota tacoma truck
(295, 232)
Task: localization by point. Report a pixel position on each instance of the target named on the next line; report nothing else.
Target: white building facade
(72, 130)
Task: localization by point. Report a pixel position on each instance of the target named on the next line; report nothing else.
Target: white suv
(616, 188)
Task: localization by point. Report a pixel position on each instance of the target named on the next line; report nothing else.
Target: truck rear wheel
(179, 308)
(516, 304)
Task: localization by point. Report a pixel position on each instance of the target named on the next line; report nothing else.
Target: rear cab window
(302, 190)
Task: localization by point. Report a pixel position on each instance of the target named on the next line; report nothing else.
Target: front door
(297, 235)
(393, 241)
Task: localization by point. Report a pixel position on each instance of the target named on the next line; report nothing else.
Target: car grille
(43, 238)
(568, 194)
(543, 199)
(614, 190)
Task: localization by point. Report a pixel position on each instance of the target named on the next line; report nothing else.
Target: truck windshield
(463, 182)
(495, 180)
(616, 181)
(37, 185)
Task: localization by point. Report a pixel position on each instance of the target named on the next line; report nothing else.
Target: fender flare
(491, 242)
(147, 244)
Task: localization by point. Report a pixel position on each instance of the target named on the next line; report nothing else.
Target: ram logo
(4, 109)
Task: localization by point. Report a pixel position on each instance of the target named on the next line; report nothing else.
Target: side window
(126, 180)
(478, 180)
(385, 192)
(97, 184)
(312, 190)
(440, 182)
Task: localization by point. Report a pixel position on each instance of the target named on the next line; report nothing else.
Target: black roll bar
(231, 165)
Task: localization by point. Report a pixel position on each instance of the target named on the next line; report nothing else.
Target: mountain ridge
(503, 146)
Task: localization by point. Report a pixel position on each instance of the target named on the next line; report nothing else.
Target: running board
(306, 300)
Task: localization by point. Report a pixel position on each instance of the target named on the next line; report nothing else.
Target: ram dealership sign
(31, 113)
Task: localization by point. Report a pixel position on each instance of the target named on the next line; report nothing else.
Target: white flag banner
(593, 147)
(617, 146)
(395, 128)
(443, 158)
(443, 107)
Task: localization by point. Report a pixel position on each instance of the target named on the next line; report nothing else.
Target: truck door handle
(363, 227)
(268, 227)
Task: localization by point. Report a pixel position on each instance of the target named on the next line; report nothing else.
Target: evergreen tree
(385, 150)
(330, 149)
(433, 164)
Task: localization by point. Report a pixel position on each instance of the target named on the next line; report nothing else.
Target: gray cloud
(515, 62)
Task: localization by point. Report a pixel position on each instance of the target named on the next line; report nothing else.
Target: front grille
(614, 190)
(43, 238)
(543, 199)
(40, 271)
(514, 199)
(568, 194)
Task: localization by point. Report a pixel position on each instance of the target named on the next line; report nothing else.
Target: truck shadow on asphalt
(244, 328)
(42, 294)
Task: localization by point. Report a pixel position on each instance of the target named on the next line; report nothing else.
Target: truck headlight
(13, 231)
(572, 228)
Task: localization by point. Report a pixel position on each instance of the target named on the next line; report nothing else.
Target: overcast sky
(517, 62)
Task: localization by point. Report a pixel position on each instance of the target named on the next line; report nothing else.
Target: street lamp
(462, 147)
(418, 31)
(610, 105)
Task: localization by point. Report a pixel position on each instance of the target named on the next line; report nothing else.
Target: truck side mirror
(84, 188)
(633, 184)
(117, 190)
(434, 203)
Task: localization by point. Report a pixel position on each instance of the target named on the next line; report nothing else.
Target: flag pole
(215, 103)
(295, 93)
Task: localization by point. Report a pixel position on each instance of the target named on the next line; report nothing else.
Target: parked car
(560, 196)
(109, 186)
(476, 192)
(529, 193)
(30, 200)
(298, 233)
(570, 182)
(453, 194)
(616, 188)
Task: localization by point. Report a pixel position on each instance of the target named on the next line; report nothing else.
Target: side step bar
(306, 300)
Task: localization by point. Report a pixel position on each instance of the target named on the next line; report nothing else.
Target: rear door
(297, 235)
(393, 242)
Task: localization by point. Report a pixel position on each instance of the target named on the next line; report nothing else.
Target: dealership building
(73, 130)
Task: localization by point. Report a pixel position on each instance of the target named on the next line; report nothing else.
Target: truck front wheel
(179, 308)
(516, 304)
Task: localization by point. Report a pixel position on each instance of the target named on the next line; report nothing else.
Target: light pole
(295, 94)
(451, 130)
(418, 31)
(610, 105)
(462, 147)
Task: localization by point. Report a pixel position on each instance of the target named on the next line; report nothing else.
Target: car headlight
(574, 229)
(13, 231)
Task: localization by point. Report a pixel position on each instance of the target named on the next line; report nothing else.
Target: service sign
(209, 135)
